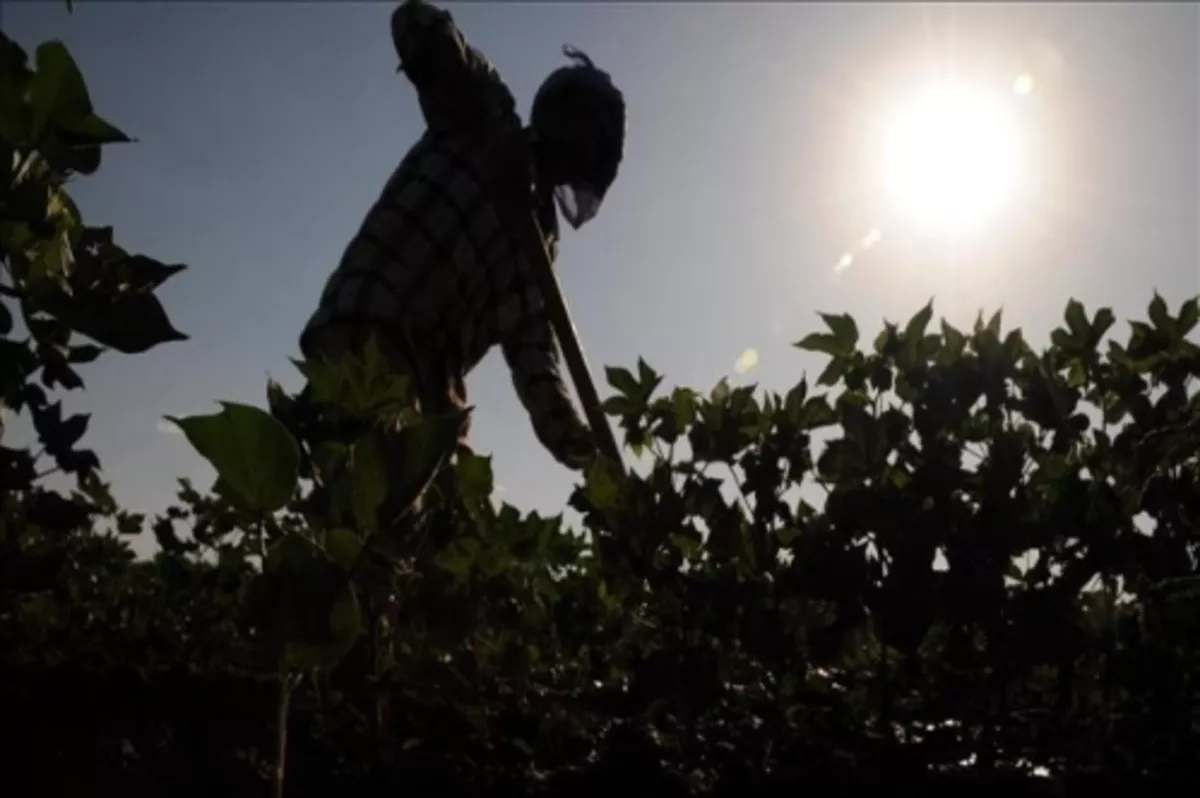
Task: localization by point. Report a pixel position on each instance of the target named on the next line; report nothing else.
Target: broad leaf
(623, 381)
(820, 342)
(57, 90)
(370, 485)
(416, 454)
(251, 450)
(343, 547)
(914, 331)
(129, 323)
(1077, 321)
(475, 479)
(602, 485)
(844, 329)
(1160, 317)
(1103, 321)
(1189, 315)
(312, 613)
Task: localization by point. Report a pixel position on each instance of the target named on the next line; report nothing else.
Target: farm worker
(440, 271)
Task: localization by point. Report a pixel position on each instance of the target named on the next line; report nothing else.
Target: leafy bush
(952, 560)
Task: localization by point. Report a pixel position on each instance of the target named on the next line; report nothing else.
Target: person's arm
(457, 87)
(532, 355)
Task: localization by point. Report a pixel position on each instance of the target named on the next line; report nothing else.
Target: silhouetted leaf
(416, 454)
(57, 90)
(343, 547)
(1189, 315)
(914, 331)
(820, 342)
(129, 323)
(1077, 323)
(1160, 317)
(313, 613)
(622, 380)
(475, 478)
(844, 329)
(1102, 322)
(364, 385)
(85, 353)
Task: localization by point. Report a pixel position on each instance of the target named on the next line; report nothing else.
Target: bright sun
(952, 159)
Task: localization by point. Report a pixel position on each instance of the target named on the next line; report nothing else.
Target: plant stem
(281, 733)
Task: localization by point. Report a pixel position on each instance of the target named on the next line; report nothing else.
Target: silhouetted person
(441, 269)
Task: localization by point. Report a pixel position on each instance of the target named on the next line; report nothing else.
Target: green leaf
(993, 325)
(226, 492)
(343, 623)
(602, 485)
(844, 329)
(1015, 347)
(1189, 315)
(688, 547)
(833, 372)
(15, 237)
(460, 557)
(369, 474)
(280, 404)
(720, 393)
(885, 342)
(475, 478)
(818, 413)
(914, 331)
(312, 613)
(786, 535)
(54, 258)
(1077, 321)
(824, 343)
(622, 380)
(648, 379)
(343, 547)
(620, 406)
(543, 585)
(364, 384)
(1102, 322)
(85, 353)
(417, 453)
(326, 380)
(683, 400)
(1160, 317)
(374, 383)
(129, 323)
(793, 402)
(57, 90)
(953, 341)
(251, 450)
(91, 131)
(14, 78)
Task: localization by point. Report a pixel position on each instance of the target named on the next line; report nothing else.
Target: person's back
(439, 273)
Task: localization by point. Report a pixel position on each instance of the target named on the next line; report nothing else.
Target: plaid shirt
(438, 263)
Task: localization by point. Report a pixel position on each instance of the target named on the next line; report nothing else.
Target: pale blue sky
(267, 129)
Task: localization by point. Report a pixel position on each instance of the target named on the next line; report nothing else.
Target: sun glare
(951, 159)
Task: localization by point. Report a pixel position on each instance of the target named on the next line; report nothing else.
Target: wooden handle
(572, 350)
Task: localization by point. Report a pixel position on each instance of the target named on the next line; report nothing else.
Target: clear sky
(266, 130)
